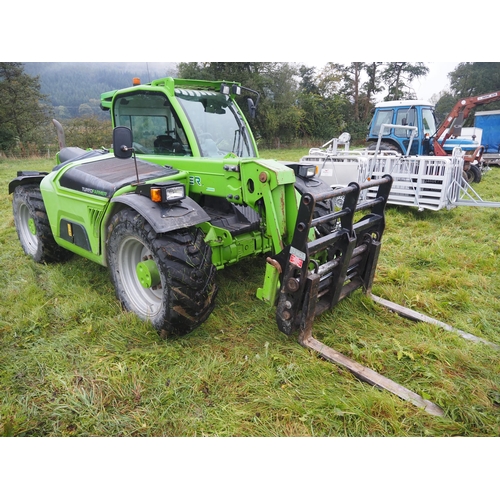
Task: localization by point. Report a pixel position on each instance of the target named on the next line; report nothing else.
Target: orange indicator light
(156, 195)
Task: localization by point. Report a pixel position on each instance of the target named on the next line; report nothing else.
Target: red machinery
(452, 125)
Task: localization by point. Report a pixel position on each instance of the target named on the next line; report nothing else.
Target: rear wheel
(384, 146)
(474, 174)
(32, 225)
(168, 279)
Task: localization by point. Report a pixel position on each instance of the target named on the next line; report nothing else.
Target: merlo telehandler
(183, 193)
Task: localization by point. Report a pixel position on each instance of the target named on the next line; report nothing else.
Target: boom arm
(456, 118)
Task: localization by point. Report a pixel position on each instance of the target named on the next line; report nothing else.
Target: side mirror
(122, 142)
(251, 107)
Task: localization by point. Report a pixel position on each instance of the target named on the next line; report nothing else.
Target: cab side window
(154, 124)
(384, 116)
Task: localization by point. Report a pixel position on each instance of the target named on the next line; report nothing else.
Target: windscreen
(216, 123)
(429, 121)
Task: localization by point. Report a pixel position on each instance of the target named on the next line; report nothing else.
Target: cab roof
(408, 102)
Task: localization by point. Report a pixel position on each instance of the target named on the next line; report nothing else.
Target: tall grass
(73, 364)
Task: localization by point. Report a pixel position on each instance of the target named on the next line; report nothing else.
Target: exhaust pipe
(60, 134)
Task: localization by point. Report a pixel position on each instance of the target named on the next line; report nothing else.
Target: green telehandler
(182, 193)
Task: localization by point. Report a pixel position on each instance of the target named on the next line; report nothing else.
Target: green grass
(73, 364)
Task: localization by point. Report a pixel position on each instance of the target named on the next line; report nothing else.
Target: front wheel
(168, 279)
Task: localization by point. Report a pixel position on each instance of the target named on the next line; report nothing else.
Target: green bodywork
(79, 219)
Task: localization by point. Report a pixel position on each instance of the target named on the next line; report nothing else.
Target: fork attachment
(318, 274)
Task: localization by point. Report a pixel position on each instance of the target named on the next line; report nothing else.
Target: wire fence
(50, 150)
(30, 151)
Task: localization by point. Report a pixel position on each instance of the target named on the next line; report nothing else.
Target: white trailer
(424, 182)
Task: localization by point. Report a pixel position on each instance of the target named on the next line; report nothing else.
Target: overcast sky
(435, 81)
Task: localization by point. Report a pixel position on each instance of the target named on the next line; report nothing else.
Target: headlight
(173, 193)
(307, 171)
(163, 192)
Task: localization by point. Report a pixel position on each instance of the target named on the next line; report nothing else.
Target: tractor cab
(418, 114)
(166, 119)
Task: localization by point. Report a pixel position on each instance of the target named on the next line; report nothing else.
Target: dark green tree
(88, 131)
(373, 85)
(23, 112)
(330, 79)
(475, 78)
(278, 115)
(397, 76)
(308, 80)
(469, 79)
(358, 86)
(444, 102)
(345, 80)
(326, 110)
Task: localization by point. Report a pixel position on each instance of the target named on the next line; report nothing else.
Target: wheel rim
(133, 254)
(27, 229)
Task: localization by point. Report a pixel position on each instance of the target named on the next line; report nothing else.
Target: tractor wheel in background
(32, 226)
(384, 146)
(168, 279)
(474, 174)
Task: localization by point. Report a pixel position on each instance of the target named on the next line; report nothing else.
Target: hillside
(75, 87)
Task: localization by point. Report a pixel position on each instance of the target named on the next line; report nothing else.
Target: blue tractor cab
(411, 113)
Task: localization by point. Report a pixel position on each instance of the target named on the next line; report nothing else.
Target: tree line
(297, 102)
(303, 102)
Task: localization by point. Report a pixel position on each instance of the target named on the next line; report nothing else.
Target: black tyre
(32, 226)
(474, 174)
(385, 146)
(327, 207)
(167, 279)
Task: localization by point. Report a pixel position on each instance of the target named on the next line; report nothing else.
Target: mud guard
(26, 177)
(164, 219)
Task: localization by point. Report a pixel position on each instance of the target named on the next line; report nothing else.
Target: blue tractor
(431, 138)
(405, 113)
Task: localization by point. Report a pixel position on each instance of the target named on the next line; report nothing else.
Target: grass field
(73, 364)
